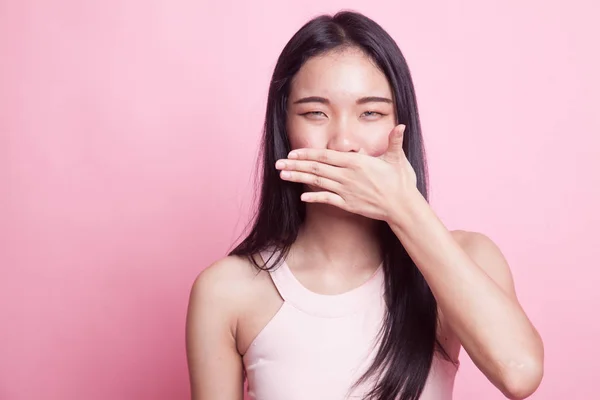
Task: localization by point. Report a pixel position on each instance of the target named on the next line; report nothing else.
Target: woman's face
(340, 101)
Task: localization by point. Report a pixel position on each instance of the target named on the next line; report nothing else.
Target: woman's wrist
(408, 210)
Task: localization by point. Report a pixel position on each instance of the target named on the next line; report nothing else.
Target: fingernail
(285, 174)
(293, 155)
(280, 164)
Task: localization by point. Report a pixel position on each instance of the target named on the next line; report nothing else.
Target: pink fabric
(316, 346)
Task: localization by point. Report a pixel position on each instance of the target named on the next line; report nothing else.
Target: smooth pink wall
(128, 131)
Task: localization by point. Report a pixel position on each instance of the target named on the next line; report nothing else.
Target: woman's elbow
(521, 382)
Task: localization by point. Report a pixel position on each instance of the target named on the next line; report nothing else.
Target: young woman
(348, 285)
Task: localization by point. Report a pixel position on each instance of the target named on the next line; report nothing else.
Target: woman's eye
(314, 114)
(372, 114)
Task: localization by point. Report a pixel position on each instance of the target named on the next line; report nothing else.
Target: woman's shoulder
(227, 278)
(465, 238)
(229, 268)
(226, 285)
(487, 255)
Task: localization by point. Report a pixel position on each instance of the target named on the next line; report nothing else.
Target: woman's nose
(343, 139)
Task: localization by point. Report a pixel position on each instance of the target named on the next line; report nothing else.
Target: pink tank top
(317, 346)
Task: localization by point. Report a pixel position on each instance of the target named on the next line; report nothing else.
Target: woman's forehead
(340, 74)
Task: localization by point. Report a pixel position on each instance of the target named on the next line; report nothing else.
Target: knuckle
(314, 167)
(317, 181)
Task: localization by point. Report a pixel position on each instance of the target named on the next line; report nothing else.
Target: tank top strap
(292, 291)
(279, 280)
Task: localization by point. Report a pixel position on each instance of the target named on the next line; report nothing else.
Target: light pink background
(128, 131)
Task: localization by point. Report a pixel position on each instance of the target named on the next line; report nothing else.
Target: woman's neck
(336, 239)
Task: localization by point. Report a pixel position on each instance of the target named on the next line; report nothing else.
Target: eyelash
(321, 112)
(373, 112)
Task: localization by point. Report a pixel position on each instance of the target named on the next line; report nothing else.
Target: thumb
(394, 152)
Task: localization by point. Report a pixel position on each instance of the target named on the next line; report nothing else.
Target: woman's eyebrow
(373, 99)
(312, 99)
(362, 100)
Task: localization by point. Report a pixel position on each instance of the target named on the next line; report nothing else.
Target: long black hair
(408, 336)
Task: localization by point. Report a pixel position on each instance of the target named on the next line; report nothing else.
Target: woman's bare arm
(473, 285)
(214, 364)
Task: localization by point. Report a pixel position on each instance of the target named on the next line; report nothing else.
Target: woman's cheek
(296, 143)
(304, 140)
(378, 148)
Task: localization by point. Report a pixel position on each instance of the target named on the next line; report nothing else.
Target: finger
(395, 152)
(311, 167)
(324, 198)
(325, 156)
(310, 179)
